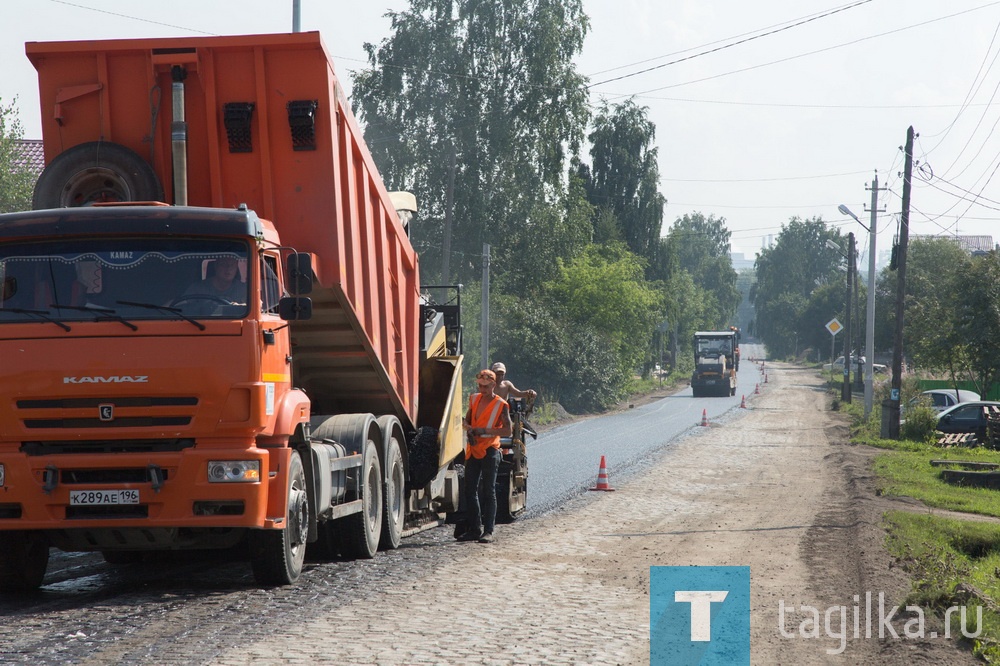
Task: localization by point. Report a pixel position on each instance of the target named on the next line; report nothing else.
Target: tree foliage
(703, 251)
(17, 180)
(582, 339)
(977, 320)
(626, 177)
(490, 86)
(787, 274)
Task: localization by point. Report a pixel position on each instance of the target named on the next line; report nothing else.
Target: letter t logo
(701, 610)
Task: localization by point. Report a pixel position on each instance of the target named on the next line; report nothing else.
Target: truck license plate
(103, 497)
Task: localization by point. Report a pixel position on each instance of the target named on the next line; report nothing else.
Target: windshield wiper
(100, 313)
(164, 308)
(41, 314)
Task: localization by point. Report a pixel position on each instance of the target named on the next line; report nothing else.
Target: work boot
(486, 538)
(471, 535)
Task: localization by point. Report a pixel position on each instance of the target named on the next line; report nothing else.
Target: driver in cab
(222, 282)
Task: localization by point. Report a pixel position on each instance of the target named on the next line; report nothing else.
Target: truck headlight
(233, 471)
(3, 475)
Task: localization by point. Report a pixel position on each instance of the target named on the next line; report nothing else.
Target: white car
(942, 399)
(838, 366)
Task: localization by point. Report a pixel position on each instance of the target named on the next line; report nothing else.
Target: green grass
(939, 553)
(909, 473)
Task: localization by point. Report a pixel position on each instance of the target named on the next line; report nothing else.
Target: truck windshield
(713, 346)
(130, 278)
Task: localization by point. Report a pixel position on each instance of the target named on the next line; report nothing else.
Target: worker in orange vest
(486, 421)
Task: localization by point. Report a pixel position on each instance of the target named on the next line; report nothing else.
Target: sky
(764, 110)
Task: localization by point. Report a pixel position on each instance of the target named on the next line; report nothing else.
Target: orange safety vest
(489, 417)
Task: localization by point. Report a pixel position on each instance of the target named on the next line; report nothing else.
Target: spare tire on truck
(96, 172)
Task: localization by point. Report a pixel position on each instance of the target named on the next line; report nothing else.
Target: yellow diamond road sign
(833, 326)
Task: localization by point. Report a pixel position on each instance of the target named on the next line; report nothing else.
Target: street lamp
(870, 321)
(845, 393)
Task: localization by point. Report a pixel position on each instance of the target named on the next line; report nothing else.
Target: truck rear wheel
(358, 534)
(24, 557)
(364, 529)
(95, 172)
(277, 555)
(394, 492)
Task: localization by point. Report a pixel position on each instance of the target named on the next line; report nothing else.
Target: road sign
(834, 326)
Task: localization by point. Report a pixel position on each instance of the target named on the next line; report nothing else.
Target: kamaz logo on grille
(113, 379)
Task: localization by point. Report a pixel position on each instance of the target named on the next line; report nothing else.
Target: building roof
(971, 244)
(33, 155)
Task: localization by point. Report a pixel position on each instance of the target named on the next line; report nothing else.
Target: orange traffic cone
(602, 477)
(704, 417)
(743, 403)
(756, 389)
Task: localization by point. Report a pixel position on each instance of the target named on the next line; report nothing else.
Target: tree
(605, 290)
(977, 323)
(492, 85)
(626, 176)
(787, 275)
(17, 180)
(703, 251)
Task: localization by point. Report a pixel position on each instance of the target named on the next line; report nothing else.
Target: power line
(809, 53)
(732, 44)
(133, 18)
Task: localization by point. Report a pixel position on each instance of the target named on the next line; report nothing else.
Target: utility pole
(845, 392)
(486, 305)
(296, 15)
(870, 320)
(897, 338)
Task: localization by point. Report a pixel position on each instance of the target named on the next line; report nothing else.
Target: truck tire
(358, 535)
(394, 490)
(276, 556)
(95, 172)
(24, 557)
(364, 529)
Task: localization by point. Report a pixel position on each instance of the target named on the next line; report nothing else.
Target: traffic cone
(743, 403)
(602, 477)
(704, 417)
(765, 377)
(756, 389)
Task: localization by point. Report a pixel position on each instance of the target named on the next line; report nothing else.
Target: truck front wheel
(24, 557)
(277, 555)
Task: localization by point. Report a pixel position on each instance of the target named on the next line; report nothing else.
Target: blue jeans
(481, 482)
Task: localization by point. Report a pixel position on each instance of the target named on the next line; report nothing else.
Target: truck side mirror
(300, 273)
(294, 308)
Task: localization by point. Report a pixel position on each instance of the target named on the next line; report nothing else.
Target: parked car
(942, 399)
(966, 417)
(838, 366)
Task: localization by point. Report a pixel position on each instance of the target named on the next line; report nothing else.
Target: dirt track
(777, 488)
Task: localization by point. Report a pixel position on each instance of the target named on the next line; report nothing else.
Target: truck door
(275, 368)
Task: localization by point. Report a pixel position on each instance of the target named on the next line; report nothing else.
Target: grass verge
(952, 563)
(940, 553)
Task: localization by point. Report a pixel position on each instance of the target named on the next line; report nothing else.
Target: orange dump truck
(249, 363)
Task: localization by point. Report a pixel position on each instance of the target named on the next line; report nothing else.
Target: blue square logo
(699, 615)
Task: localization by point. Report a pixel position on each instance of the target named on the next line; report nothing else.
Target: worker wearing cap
(505, 388)
(486, 421)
